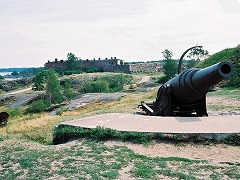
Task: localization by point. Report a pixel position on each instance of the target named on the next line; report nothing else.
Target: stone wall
(146, 67)
(56, 64)
(110, 65)
(100, 63)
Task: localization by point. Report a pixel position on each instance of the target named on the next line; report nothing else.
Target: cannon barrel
(185, 94)
(193, 84)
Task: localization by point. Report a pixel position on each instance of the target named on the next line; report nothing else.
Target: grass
(39, 127)
(33, 127)
(227, 92)
(94, 160)
(63, 133)
(90, 158)
(221, 107)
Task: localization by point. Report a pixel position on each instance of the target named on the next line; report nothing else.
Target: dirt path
(213, 153)
(19, 91)
(144, 79)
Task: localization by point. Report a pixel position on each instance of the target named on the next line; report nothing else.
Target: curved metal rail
(181, 58)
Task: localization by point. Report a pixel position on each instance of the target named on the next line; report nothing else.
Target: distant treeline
(22, 71)
(154, 61)
(12, 69)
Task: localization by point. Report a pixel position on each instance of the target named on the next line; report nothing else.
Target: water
(8, 78)
(5, 73)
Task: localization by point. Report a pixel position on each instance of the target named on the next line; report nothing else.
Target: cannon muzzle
(185, 94)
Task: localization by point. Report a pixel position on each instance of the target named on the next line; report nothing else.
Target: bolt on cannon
(185, 94)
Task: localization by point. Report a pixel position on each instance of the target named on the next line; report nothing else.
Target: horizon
(33, 32)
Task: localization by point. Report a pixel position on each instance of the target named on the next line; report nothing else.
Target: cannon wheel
(3, 118)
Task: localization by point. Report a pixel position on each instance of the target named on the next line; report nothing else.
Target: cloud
(33, 32)
(230, 6)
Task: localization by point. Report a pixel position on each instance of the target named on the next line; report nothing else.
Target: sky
(35, 31)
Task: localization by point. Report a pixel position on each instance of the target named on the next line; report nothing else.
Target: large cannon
(185, 94)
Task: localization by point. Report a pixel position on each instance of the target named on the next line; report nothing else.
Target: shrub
(100, 86)
(91, 69)
(108, 83)
(14, 112)
(37, 106)
(117, 82)
(102, 133)
(162, 79)
(85, 87)
(60, 111)
(136, 137)
(68, 72)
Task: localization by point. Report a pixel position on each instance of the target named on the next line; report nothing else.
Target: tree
(167, 54)
(121, 62)
(68, 91)
(37, 106)
(195, 55)
(39, 80)
(53, 88)
(31, 71)
(72, 62)
(198, 53)
(14, 73)
(169, 67)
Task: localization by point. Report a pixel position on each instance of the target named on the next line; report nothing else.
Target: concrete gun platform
(158, 124)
